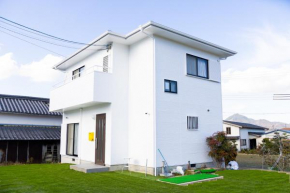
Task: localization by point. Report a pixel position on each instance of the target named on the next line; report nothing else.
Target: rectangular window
(243, 142)
(170, 86)
(77, 73)
(192, 122)
(229, 131)
(196, 66)
(72, 139)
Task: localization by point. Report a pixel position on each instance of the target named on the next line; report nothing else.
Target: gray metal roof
(29, 132)
(246, 125)
(25, 105)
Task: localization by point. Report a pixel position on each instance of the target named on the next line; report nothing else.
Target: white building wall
(6, 118)
(235, 131)
(116, 147)
(140, 141)
(245, 135)
(195, 97)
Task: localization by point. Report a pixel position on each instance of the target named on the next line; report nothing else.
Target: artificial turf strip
(188, 178)
(206, 171)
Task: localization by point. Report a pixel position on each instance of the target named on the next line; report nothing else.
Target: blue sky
(258, 30)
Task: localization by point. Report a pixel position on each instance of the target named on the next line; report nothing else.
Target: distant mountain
(260, 122)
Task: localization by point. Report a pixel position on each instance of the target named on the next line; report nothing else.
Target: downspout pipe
(154, 94)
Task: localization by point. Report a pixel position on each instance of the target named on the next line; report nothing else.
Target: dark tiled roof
(256, 133)
(25, 105)
(233, 137)
(29, 132)
(246, 125)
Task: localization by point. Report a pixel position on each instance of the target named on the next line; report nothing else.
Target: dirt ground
(246, 161)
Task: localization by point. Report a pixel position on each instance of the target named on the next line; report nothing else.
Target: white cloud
(268, 63)
(257, 80)
(38, 71)
(41, 71)
(261, 69)
(8, 66)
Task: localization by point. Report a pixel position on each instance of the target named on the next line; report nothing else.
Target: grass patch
(59, 178)
(188, 178)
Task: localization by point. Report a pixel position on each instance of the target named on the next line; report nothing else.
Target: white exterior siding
(141, 132)
(116, 146)
(194, 98)
(6, 118)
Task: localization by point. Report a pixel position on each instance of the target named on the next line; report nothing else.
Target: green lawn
(59, 178)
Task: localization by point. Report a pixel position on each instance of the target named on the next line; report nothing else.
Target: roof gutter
(141, 29)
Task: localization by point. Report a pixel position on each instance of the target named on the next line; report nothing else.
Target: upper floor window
(78, 72)
(170, 86)
(229, 130)
(196, 66)
(192, 122)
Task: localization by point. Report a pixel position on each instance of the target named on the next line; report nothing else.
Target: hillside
(260, 122)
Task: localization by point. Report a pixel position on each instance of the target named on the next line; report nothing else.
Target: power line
(48, 35)
(259, 113)
(38, 39)
(32, 43)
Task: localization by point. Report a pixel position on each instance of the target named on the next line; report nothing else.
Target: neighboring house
(244, 134)
(153, 89)
(28, 131)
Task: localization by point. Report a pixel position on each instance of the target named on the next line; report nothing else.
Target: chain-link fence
(255, 161)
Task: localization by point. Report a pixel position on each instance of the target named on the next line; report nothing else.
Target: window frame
(79, 72)
(187, 119)
(243, 140)
(228, 129)
(170, 90)
(196, 58)
(73, 143)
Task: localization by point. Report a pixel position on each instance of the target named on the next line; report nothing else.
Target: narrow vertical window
(72, 139)
(229, 130)
(106, 64)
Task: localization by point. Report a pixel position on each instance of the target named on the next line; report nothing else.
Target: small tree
(276, 151)
(221, 149)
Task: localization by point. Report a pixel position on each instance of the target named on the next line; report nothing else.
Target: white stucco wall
(194, 98)
(116, 145)
(141, 134)
(235, 131)
(6, 118)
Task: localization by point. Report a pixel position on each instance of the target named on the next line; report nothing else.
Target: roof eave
(227, 52)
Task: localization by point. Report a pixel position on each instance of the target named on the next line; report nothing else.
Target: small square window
(243, 142)
(170, 86)
(192, 122)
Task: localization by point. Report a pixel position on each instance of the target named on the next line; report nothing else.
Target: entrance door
(100, 139)
(253, 143)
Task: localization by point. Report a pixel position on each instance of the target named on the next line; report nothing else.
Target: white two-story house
(133, 96)
(245, 135)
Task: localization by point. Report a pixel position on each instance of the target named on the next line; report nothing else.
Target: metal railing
(69, 77)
